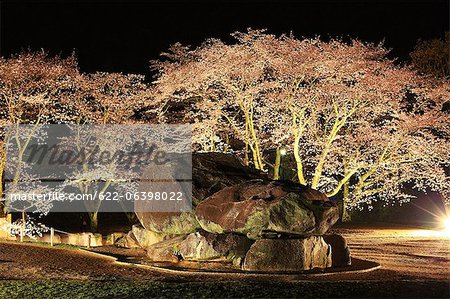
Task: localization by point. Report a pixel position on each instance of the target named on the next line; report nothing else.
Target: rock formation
(211, 172)
(241, 216)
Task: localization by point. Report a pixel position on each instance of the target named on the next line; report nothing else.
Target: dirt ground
(416, 258)
(409, 253)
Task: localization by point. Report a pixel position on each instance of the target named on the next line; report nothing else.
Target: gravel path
(403, 254)
(414, 264)
(413, 254)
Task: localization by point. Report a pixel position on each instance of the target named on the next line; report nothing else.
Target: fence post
(52, 235)
(89, 241)
(22, 232)
(22, 229)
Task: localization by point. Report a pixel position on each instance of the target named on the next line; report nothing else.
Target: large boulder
(287, 255)
(176, 223)
(259, 209)
(211, 172)
(340, 252)
(165, 216)
(200, 246)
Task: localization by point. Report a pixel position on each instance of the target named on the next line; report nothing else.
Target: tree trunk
(276, 166)
(3, 212)
(132, 218)
(246, 158)
(345, 215)
(22, 230)
(298, 162)
(93, 217)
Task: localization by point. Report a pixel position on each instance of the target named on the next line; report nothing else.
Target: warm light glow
(283, 151)
(446, 223)
(424, 233)
(442, 231)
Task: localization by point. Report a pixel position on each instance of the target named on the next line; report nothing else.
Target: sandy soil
(417, 254)
(403, 255)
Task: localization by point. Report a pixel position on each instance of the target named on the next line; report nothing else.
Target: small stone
(340, 252)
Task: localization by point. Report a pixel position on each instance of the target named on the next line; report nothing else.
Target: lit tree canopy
(35, 86)
(354, 121)
(432, 56)
(37, 89)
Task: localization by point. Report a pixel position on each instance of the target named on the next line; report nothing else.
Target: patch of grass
(217, 289)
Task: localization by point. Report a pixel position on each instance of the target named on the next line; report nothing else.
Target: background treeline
(353, 123)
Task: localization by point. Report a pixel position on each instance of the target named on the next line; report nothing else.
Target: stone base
(274, 255)
(288, 255)
(146, 238)
(201, 246)
(83, 239)
(4, 223)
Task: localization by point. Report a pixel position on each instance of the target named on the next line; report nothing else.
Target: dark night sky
(124, 35)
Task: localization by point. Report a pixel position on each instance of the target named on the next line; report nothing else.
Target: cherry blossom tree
(223, 78)
(433, 56)
(36, 89)
(30, 88)
(357, 124)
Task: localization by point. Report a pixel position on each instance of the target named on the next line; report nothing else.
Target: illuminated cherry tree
(36, 89)
(431, 56)
(356, 124)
